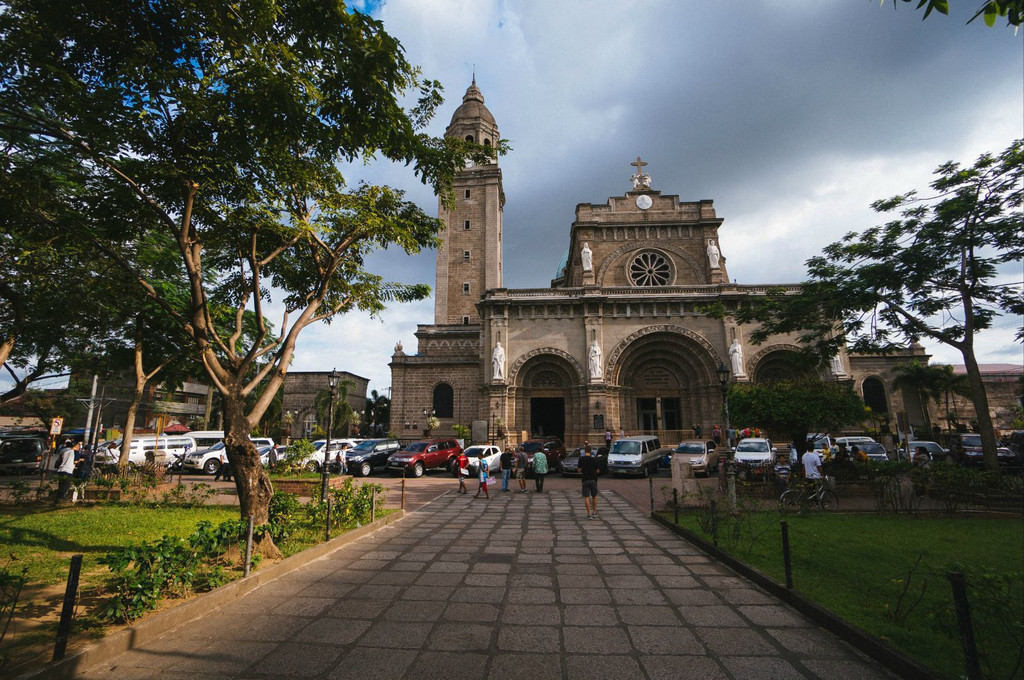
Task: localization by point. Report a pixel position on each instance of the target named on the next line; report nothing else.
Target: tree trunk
(251, 482)
(129, 425)
(980, 398)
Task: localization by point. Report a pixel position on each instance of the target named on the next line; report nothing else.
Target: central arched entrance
(666, 382)
(545, 393)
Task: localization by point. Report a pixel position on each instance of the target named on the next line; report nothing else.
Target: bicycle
(802, 496)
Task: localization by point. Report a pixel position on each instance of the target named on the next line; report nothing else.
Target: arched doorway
(774, 364)
(666, 381)
(874, 396)
(546, 387)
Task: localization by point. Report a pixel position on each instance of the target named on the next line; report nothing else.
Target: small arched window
(874, 395)
(469, 138)
(487, 142)
(444, 400)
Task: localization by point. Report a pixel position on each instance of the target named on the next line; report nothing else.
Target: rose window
(650, 269)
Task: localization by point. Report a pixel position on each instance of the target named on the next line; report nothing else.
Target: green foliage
(796, 406)
(188, 495)
(286, 514)
(462, 432)
(148, 572)
(990, 10)
(295, 458)
(11, 585)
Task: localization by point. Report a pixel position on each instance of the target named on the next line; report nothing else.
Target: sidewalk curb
(156, 625)
(893, 659)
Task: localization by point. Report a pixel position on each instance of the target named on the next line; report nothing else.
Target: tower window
(465, 256)
(469, 138)
(487, 142)
(466, 225)
(465, 289)
(465, 321)
(467, 193)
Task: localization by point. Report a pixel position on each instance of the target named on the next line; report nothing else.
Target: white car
(208, 461)
(754, 454)
(173, 446)
(316, 461)
(482, 451)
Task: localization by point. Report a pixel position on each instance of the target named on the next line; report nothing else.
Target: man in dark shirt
(505, 464)
(590, 469)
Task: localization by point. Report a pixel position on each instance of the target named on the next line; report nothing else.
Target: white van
(639, 455)
(206, 439)
(175, 446)
(208, 461)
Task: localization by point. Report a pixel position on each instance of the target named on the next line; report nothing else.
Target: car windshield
(626, 447)
(366, 445)
(416, 447)
(759, 447)
(216, 447)
(689, 448)
(476, 452)
(972, 440)
(819, 443)
(872, 447)
(532, 447)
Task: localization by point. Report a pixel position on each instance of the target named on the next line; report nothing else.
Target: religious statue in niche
(595, 361)
(837, 365)
(714, 256)
(498, 362)
(587, 255)
(736, 358)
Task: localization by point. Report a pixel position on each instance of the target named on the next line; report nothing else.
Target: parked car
(935, 452)
(338, 448)
(553, 448)
(966, 448)
(22, 455)
(700, 454)
(370, 454)
(570, 465)
(418, 457)
(850, 441)
(486, 452)
(208, 461)
(638, 455)
(875, 452)
(171, 448)
(754, 455)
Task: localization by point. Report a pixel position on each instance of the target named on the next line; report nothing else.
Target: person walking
(65, 469)
(505, 464)
(540, 470)
(482, 473)
(812, 464)
(224, 471)
(608, 439)
(589, 469)
(462, 470)
(522, 462)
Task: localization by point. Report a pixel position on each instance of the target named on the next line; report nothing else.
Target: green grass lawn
(44, 539)
(857, 565)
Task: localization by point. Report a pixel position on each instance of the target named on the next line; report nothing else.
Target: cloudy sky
(792, 115)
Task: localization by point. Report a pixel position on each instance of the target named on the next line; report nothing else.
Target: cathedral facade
(620, 340)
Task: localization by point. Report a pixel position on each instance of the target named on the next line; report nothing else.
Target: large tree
(798, 407)
(933, 271)
(224, 125)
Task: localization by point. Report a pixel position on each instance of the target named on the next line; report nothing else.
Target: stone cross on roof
(641, 180)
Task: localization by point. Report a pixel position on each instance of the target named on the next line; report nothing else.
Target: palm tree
(924, 380)
(378, 409)
(343, 411)
(953, 384)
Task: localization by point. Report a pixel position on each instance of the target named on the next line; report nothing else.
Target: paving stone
(810, 642)
(651, 615)
(694, 596)
(746, 596)
(674, 667)
(845, 669)
(478, 594)
(761, 668)
(357, 609)
(544, 615)
(449, 666)
(397, 634)
(428, 592)
(533, 666)
(714, 615)
(333, 631)
(585, 595)
(595, 640)
(774, 616)
(529, 639)
(465, 611)
(637, 596)
(531, 595)
(602, 668)
(298, 660)
(590, 615)
(464, 637)
(735, 642)
(664, 640)
(370, 663)
(415, 610)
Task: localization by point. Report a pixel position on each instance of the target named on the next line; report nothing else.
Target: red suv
(552, 447)
(422, 455)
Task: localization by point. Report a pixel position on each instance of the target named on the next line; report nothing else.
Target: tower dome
(472, 121)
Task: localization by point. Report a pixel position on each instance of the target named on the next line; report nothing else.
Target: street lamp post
(332, 383)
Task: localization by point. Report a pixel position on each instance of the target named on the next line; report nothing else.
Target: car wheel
(365, 469)
(211, 466)
(311, 466)
(417, 470)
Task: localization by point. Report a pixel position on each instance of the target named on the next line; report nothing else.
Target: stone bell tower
(469, 259)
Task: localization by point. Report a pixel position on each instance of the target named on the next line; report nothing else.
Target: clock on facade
(644, 202)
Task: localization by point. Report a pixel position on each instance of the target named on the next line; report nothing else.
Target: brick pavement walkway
(521, 586)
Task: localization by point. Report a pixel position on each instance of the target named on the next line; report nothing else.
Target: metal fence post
(248, 547)
(675, 503)
(787, 563)
(373, 506)
(327, 524)
(714, 522)
(650, 481)
(963, 619)
(68, 609)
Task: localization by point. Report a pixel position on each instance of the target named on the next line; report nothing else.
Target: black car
(370, 454)
(22, 454)
(967, 449)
